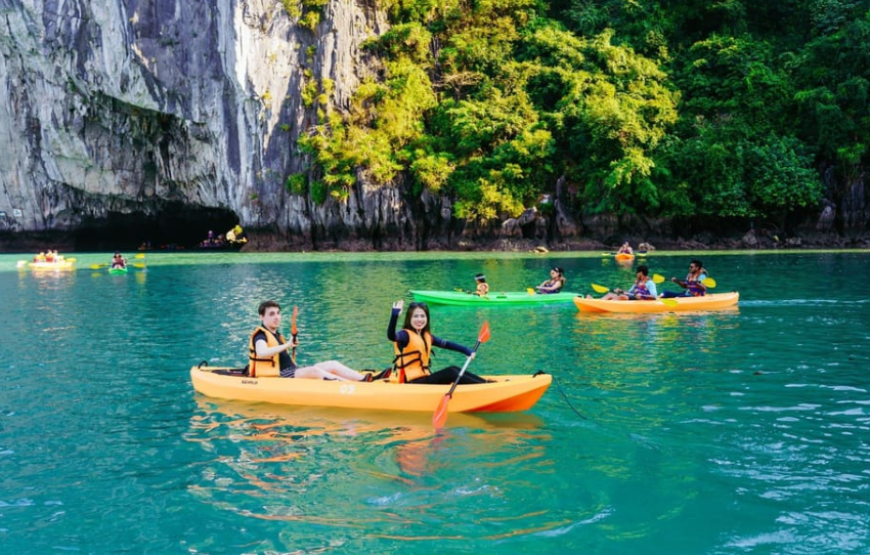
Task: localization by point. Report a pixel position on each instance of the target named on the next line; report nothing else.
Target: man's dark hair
(267, 304)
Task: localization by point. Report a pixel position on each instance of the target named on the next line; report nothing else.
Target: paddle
(98, 266)
(439, 418)
(530, 291)
(293, 332)
(140, 255)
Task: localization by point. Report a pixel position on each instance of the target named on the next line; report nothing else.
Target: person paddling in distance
(644, 288)
(413, 347)
(482, 286)
(119, 261)
(268, 356)
(555, 283)
(625, 249)
(693, 284)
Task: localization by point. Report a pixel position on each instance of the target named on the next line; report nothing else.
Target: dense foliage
(658, 107)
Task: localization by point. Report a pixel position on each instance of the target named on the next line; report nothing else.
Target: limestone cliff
(158, 109)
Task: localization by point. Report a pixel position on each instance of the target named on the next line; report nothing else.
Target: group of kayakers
(644, 287)
(554, 284)
(49, 256)
(270, 354)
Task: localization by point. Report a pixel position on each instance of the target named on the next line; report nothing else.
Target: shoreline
(270, 242)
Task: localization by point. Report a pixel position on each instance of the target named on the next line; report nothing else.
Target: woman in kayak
(693, 284)
(555, 283)
(644, 289)
(269, 358)
(413, 347)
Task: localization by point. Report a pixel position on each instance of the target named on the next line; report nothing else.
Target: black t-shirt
(284, 359)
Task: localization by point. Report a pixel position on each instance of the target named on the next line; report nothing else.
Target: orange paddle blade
(484, 333)
(439, 418)
(293, 329)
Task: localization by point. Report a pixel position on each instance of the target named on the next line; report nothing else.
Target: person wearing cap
(482, 287)
(555, 283)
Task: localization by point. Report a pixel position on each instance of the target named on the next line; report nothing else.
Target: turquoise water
(742, 431)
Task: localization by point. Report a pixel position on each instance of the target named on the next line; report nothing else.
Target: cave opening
(175, 226)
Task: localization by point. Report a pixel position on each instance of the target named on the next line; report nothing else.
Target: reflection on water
(390, 473)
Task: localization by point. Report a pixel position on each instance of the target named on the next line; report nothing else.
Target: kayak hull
(716, 301)
(459, 298)
(117, 271)
(506, 394)
(51, 266)
(624, 257)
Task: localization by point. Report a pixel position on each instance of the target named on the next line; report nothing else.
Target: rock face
(159, 108)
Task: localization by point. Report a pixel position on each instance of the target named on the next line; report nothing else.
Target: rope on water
(562, 391)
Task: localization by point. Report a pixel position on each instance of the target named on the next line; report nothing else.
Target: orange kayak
(623, 256)
(506, 394)
(707, 302)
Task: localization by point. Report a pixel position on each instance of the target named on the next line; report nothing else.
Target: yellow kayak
(62, 265)
(506, 394)
(707, 302)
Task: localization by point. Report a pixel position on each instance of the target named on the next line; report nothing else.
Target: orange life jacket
(412, 362)
(264, 367)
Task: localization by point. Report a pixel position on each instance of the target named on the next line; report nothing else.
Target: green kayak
(513, 298)
(118, 270)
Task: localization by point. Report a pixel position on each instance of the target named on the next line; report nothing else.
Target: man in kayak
(693, 284)
(644, 288)
(555, 283)
(269, 358)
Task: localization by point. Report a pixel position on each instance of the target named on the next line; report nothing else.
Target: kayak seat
(373, 375)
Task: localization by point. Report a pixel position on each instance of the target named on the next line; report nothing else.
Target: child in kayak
(482, 287)
(413, 347)
(555, 283)
(268, 353)
(693, 284)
